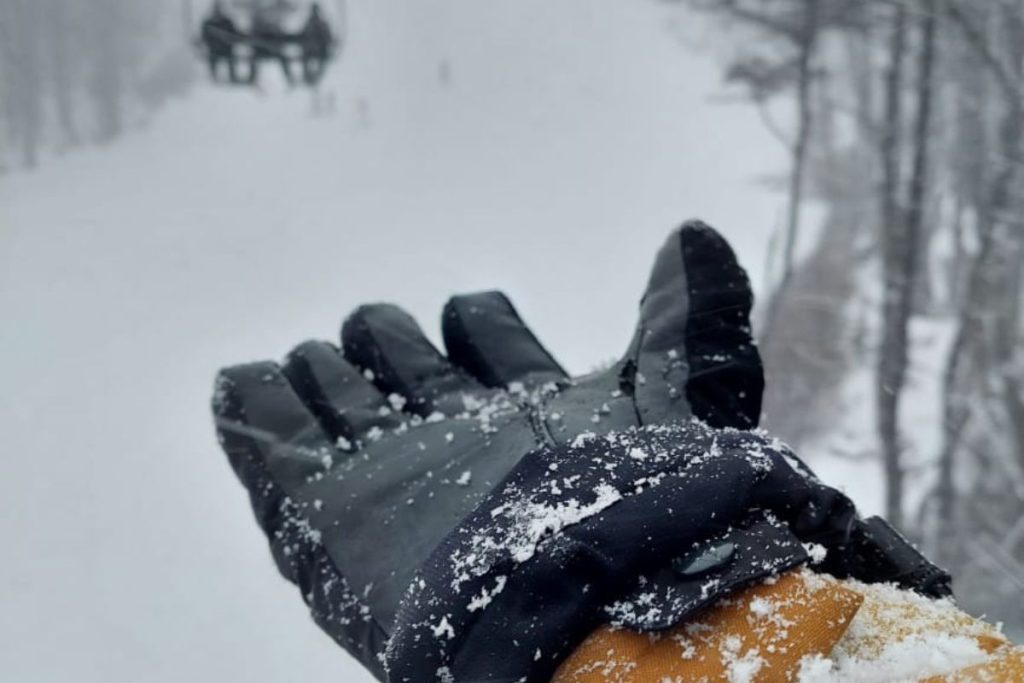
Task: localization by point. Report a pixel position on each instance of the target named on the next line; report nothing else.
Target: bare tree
(901, 240)
(60, 38)
(806, 41)
(68, 69)
(106, 83)
(21, 24)
(892, 349)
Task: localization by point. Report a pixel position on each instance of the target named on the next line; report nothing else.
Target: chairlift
(302, 36)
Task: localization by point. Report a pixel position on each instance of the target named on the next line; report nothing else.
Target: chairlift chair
(289, 16)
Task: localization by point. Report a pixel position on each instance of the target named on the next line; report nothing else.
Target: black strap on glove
(472, 517)
(880, 554)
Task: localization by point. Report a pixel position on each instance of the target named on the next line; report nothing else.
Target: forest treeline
(74, 72)
(903, 121)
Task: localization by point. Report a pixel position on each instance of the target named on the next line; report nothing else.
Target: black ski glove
(474, 517)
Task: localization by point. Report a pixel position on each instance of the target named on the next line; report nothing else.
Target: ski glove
(473, 517)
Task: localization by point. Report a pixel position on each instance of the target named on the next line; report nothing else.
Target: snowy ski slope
(565, 141)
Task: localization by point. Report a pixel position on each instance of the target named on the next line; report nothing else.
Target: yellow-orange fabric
(762, 632)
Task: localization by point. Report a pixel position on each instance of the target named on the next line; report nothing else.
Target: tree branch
(977, 41)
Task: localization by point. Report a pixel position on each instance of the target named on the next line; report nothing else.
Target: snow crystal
(816, 551)
(536, 520)
(485, 597)
(740, 668)
(443, 629)
(472, 403)
(762, 607)
(521, 523)
(643, 612)
(550, 388)
(582, 439)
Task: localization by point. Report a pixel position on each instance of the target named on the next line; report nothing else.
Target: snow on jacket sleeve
(809, 628)
(762, 634)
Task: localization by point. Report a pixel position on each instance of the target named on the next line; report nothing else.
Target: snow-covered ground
(566, 140)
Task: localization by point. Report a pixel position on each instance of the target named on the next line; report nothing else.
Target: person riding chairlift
(268, 39)
(220, 35)
(315, 40)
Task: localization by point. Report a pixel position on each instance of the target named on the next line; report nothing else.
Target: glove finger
(386, 341)
(693, 349)
(485, 336)
(262, 423)
(276, 447)
(346, 403)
